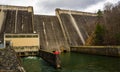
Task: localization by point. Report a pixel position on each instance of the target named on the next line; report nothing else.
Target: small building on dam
(23, 44)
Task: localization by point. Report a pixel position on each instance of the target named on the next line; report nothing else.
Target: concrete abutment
(98, 50)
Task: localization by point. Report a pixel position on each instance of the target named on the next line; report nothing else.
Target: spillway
(76, 25)
(67, 28)
(51, 35)
(15, 19)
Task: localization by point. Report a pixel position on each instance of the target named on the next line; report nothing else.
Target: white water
(55, 37)
(16, 21)
(86, 31)
(31, 57)
(77, 29)
(45, 34)
(22, 27)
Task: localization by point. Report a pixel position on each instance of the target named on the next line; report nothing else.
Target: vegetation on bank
(112, 22)
(107, 29)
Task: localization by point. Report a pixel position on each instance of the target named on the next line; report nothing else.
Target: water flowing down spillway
(74, 62)
(77, 29)
(45, 34)
(50, 32)
(16, 20)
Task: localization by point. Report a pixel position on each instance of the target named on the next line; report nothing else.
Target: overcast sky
(48, 6)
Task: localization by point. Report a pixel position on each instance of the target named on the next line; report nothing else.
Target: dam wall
(17, 19)
(50, 32)
(98, 50)
(76, 25)
(61, 11)
(2, 15)
(22, 8)
(67, 28)
(18, 22)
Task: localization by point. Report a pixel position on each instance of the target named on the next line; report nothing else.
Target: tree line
(107, 30)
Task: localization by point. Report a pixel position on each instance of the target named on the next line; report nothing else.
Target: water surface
(74, 62)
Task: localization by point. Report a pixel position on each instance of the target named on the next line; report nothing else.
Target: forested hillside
(107, 30)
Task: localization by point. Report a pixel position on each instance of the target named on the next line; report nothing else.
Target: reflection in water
(74, 62)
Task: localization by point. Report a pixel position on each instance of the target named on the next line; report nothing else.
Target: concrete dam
(15, 19)
(51, 35)
(76, 25)
(28, 34)
(67, 28)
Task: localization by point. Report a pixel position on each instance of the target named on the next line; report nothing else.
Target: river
(74, 62)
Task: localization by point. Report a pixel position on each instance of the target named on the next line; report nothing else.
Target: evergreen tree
(99, 35)
(117, 38)
(99, 13)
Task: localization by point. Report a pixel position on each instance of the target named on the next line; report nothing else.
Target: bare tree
(112, 22)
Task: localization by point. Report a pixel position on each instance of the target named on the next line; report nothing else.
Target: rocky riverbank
(9, 61)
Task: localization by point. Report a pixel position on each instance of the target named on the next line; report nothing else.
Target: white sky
(48, 7)
(100, 5)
